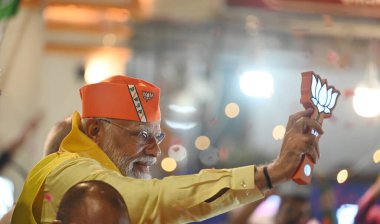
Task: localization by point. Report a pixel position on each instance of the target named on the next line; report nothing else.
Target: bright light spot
(346, 213)
(257, 84)
(376, 156)
(278, 132)
(366, 102)
(180, 125)
(252, 23)
(168, 164)
(268, 208)
(202, 142)
(71, 14)
(307, 170)
(98, 70)
(342, 176)
(182, 109)
(6, 195)
(177, 152)
(109, 39)
(232, 110)
(104, 63)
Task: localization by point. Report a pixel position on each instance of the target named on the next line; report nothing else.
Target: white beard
(125, 164)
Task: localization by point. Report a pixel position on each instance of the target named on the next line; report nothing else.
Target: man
(120, 137)
(92, 202)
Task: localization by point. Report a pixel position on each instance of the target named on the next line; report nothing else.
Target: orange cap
(121, 97)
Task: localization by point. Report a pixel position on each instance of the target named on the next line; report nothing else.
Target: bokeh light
(366, 102)
(202, 142)
(278, 132)
(346, 213)
(232, 110)
(342, 176)
(168, 164)
(376, 156)
(177, 152)
(109, 39)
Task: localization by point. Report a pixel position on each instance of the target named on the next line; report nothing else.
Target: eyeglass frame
(146, 134)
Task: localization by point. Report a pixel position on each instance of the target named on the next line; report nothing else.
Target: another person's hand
(298, 140)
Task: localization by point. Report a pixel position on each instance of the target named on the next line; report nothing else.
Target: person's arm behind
(367, 201)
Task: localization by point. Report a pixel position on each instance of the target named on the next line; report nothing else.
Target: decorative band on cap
(137, 103)
(121, 97)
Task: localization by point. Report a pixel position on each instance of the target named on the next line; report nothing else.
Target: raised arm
(298, 140)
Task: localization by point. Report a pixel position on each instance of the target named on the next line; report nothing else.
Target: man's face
(132, 146)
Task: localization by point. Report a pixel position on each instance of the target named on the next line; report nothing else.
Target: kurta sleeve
(174, 199)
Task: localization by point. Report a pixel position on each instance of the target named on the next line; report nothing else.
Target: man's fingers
(294, 117)
(317, 146)
(312, 147)
(306, 125)
(313, 124)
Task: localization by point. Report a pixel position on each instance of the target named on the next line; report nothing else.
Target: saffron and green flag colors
(8, 8)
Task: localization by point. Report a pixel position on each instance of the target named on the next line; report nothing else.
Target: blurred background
(229, 73)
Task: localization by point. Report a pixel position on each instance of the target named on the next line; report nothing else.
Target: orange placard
(316, 94)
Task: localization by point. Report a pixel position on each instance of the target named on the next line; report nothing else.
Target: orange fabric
(121, 97)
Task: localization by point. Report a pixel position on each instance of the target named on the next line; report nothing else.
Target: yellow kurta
(176, 199)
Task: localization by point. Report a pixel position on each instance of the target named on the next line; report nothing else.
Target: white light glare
(366, 102)
(268, 207)
(182, 109)
(6, 195)
(257, 84)
(346, 213)
(180, 125)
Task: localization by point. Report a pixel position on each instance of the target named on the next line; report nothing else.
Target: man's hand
(298, 140)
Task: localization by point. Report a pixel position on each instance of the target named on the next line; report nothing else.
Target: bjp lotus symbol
(318, 94)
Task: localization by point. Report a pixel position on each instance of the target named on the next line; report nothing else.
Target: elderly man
(118, 137)
(92, 202)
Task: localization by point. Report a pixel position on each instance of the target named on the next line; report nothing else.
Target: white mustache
(148, 160)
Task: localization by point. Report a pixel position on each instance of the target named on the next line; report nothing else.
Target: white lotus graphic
(323, 98)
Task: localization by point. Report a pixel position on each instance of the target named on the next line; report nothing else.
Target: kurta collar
(78, 142)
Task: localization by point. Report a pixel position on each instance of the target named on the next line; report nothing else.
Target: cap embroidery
(147, 95)
(136, 101)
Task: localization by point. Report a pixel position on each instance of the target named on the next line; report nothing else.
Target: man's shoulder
(74, 161)
(72, 170)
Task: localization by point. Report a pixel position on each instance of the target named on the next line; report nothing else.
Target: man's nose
(153, 150)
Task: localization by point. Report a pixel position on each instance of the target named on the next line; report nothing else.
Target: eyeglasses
(144, 135)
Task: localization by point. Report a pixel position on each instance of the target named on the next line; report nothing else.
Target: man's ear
(93, 128)
(56, 222)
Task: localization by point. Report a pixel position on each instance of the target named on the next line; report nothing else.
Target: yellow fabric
(176, 199)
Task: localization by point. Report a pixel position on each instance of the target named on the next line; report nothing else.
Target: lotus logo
(323, 98)
(147, 95)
